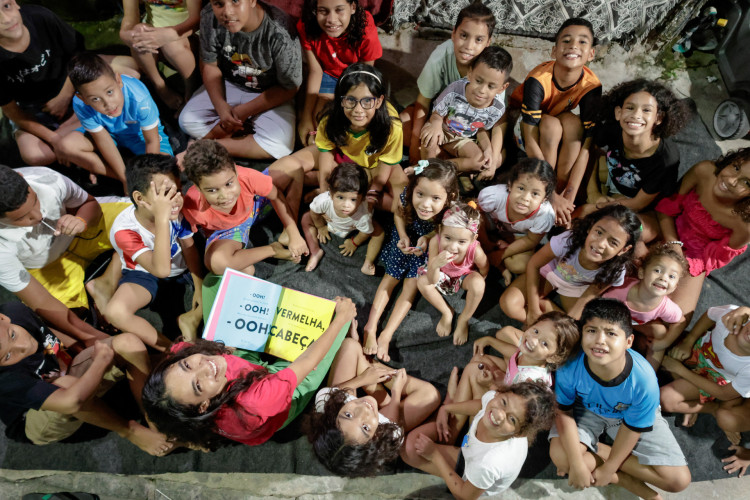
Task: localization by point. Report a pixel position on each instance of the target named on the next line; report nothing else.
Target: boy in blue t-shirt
(115, 111)
(610, 388)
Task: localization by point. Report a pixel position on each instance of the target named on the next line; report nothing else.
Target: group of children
(601, 309)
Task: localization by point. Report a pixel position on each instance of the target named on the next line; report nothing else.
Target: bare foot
(313, 260)
(688, 419)
(733, 437)
(383, 345)
(284, 238)
(283, 253)
(189, 322)
(101, 290)
(152, 442)
(461, 335)
(353, 333)
(452, 386)
(444, 325)
(368, 268)
(507, 277)
(371, 342)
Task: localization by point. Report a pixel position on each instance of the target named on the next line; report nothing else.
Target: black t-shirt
(21, 385)
(36, 75)
(655, 174)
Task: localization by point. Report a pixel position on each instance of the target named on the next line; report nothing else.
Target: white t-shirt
(735, 369)
(492, 467)
(361, 219)
(36, 246)
(493, 200)
(130, 239)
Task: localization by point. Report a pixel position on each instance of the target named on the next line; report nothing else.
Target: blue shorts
(137, 146)
(327, 84)
(150, 282)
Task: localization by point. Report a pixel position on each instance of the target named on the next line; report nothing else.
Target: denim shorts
(327, 84)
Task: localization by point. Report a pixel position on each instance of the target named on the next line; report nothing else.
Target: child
(492, 453)
(579, 264)
(51, 230)
(648, 300)
(115, 111)
(333, 35)
(205, 397)
(252, 67)
(165, 33)
(356, 437)
(610, 388)
(35, 92)
(449, 62)
(341, 210)
(225, 201)
(433, 186)
(717, 371)
(639, 160)
(708, 222)
(455, 261)
(466, 111)
(359, 126)
(154, 247)
(548, 129)
(520, 211)
(46, 395)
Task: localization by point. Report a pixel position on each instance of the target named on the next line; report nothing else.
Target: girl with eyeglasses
(359, 126)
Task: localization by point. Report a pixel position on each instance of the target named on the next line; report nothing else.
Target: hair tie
(366, 73)
(473, 204)
(420, 166)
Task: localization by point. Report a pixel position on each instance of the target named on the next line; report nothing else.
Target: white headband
(367, 73)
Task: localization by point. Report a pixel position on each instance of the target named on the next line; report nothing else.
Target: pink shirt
(667, 310)
(457, 270)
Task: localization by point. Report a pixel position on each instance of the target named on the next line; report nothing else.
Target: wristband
(353, 243)
(85, 224)
(676, 242)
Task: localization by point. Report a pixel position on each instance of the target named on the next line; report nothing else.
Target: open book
(256, 315)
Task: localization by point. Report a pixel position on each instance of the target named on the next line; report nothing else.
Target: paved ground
(404, 56)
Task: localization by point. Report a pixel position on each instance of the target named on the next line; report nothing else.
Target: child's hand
(404, 245)
(681, 351)
(486, 159)
(432, 135)
(424, 446)
(734, 320)
(563, 209)
(442, 423)
(480, 344)
(348, 248)
(399, 381)
(603, 477)
(443, 258)
(671, 365)
(580, 477)
(532, 315)
(166, 197)
(323, 234)
(229, 122)
(58, 105)
(103, 352)
(602, 201)
(69, 225)
(377, 374)
(487, 174)
(737, 462)
(345, 308)
(422, 245)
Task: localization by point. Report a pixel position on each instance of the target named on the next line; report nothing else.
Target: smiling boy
(549, 130)
(115, 111)
(466, 111)
(610, 388)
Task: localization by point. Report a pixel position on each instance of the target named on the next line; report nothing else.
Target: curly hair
(337, 124)
(628, 221)
(534, 167)
(673, 112)
(666, 251)
(477, 11)
(353, 33)
(442, 171)
(568, 336)
(187, 423)
(346, 459)
(142, 168)
(206, 157)
(736, 159)
(577, 21)
(610, 310)
(540, 406)
(348, 177)
(86, 67)
(14, 190)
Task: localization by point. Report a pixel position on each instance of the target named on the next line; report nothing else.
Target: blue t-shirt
(139, 112)
(632, 396)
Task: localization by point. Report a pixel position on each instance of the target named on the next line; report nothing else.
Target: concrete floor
(404, 56)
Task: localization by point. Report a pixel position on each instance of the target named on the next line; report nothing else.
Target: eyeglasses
(349, 102)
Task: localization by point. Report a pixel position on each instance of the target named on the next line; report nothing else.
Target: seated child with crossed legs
(340, 211)
(455, 261)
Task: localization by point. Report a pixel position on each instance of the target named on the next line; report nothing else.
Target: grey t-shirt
(254, 60)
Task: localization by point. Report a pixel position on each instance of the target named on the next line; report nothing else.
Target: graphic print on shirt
(626, 175)
(245, 69)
